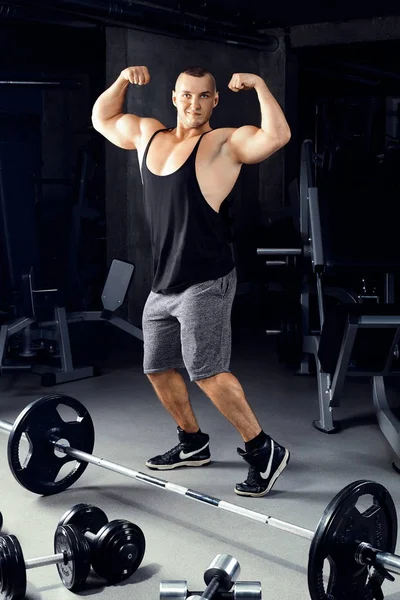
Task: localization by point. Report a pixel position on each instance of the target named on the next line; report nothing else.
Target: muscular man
(187, 173)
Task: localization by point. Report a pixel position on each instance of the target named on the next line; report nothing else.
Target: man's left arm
(249, 144)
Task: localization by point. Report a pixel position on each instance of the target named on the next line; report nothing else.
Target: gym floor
(183, 536)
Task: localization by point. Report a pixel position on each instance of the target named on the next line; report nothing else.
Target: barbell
(359, 546)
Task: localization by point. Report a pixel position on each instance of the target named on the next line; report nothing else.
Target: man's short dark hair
(200, 72)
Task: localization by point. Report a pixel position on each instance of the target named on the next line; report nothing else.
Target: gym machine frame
(113, 295)
(331, 386)
(55, 331)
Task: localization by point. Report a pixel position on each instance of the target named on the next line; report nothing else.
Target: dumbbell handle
(242, 590)
(44, 561)
(90, 536)
(218, 596)
(54, 559)
(248, 590)
(212, 588)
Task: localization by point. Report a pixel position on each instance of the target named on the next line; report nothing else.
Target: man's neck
(184, 133)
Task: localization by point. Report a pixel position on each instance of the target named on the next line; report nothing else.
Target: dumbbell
(241, 590)
(71, 555)
(117, 547)
(220, 578)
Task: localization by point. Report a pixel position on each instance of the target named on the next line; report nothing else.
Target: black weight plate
(340, 530)
(1, 521)
(41, 422)
(85, 517)
(76, 568)
(12, 569)
(118, 550)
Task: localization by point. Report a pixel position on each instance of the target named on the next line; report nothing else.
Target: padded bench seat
(374, 344)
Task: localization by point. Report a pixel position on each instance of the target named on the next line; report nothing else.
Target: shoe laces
(177, 448)
(252, 476)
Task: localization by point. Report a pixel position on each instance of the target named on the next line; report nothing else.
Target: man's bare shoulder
(148, 127)
(217, 138)
(222, 133)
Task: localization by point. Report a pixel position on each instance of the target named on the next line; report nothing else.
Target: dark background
(71, 201)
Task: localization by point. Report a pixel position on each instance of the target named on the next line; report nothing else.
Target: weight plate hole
(66, 470)
(67, 413)
(59, 453)
(326, 572)
(24, 450)
(365, 502)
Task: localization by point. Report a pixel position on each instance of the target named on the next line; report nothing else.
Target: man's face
(195, 99)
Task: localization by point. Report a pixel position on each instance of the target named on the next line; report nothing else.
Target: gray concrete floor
(183, 536)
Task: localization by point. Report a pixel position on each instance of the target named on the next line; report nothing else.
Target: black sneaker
(192, 451)
(266, 464)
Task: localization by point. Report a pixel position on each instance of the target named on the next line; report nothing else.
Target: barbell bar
(341, 531)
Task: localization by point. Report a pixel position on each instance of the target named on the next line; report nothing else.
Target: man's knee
(160, 374)
(216, 379)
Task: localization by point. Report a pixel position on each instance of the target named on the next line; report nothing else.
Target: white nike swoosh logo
(183, 455)
(267, 471)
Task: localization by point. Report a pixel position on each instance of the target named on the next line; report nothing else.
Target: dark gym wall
(127, 233)
(54, 52)
(38, 51)
(272, 189)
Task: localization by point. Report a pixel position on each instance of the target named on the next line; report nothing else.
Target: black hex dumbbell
(220, 578)
(117, 547)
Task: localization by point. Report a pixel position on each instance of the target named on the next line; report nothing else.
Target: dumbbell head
(73, 572)
(226, 568)
(118, 550)
(12, 568)
(173, 589)
(85, 517)
(247, 590)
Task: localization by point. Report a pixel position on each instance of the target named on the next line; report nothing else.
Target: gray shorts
(190, 329)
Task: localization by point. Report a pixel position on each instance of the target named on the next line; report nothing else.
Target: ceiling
(235, 21)
(284, 14)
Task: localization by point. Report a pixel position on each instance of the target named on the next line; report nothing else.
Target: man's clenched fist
(136, 75)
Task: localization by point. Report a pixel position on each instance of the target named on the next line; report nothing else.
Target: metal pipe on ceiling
(145, 16)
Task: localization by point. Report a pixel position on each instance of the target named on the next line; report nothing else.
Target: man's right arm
(123, 130)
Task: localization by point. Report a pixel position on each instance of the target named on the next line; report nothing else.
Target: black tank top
(189, 239)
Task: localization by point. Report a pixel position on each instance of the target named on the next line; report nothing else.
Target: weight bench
(56, 330)
(355, 337)
(362, 341)
(359, 338)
